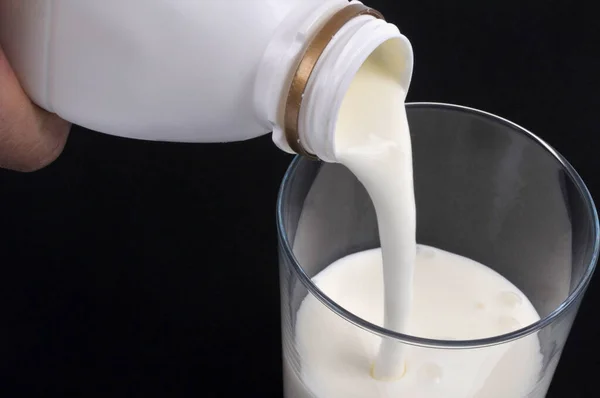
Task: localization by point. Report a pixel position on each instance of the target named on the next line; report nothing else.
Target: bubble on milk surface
(509, 299)
(508, 324)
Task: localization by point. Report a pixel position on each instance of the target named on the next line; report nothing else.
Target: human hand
(30, 138)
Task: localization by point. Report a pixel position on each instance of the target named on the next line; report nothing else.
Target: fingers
(30, 138)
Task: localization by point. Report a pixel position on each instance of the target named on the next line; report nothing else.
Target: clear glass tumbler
(485, 189)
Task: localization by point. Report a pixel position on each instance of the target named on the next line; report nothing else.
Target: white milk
(434, 294)
(453, 298)
(373, 141)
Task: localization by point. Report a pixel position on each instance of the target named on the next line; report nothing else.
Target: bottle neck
(305, 114)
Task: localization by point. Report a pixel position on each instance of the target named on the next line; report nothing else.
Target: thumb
(30, 138)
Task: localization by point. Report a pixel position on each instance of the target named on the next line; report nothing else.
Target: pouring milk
(427, 292)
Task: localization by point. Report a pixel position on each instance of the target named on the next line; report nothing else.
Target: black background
(133, 268)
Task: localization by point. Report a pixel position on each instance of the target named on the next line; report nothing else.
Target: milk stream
(427, 292)
(373, 141)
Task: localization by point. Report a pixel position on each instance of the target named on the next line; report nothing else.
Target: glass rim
(578, 292)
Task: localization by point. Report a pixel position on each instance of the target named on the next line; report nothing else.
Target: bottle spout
(324, 72)
(306, 67)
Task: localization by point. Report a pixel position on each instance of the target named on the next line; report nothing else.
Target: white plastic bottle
(198, 70)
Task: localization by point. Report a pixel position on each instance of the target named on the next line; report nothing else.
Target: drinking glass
(485, 189)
